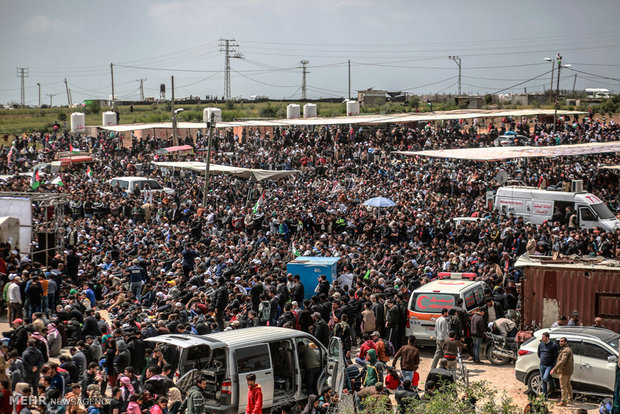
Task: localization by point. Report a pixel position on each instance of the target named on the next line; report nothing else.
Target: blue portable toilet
(310, 268)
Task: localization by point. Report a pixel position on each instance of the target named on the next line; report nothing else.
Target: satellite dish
(501, 177)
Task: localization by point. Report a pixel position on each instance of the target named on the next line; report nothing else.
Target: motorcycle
(502, 350)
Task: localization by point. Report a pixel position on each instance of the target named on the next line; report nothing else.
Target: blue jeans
(136, 289)
(476, 350)
(545, 378)
(407, 375)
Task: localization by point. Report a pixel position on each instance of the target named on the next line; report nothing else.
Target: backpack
(264, 311)
(389, 348)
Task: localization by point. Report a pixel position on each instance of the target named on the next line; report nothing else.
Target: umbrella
(379, 202)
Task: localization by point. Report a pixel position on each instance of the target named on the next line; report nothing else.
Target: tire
(534, 382)
(494, 360)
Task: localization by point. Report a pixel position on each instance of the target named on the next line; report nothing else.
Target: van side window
(253, 358)
(586, 214)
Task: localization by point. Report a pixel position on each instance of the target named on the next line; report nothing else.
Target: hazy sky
(393, 45)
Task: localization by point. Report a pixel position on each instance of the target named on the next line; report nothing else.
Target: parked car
(141, 183)
(595, 353)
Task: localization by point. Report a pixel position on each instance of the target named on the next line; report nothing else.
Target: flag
(34, 181)
(58, 181)
(296, 252)
(89, 172)
(73, 150)
(259, 202)
(367, 275)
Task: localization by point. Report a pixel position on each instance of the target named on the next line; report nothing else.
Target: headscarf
(51, 330)
(37, 335)
(174, 395)
(125, 381)
(310, 405)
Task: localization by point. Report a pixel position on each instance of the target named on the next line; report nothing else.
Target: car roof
(128, 178)
(447, 285)
(234, 338)
(584, 331)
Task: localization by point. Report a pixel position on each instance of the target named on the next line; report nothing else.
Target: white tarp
(610, 167)
(21, 208)
(346, 120)
(9, 231)
(217, 169)
(502, 153)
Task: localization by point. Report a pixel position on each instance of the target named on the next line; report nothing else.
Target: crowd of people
(165, 263)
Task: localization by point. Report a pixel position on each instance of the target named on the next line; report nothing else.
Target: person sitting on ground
(406, 397)
(441, 375)
(392, 379)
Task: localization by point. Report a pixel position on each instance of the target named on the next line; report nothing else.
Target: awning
(346, 120)
(217, 169)
(185, 149)
(502, 153)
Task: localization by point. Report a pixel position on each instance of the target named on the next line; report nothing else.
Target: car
(595, 353)
(140, 183)
(510, 140)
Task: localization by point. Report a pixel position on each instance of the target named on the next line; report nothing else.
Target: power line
(263, 83)
(430, 84)
(591, 74)
(521, 83)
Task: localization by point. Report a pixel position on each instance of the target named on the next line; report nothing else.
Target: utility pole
(112, 74)
(229, 46)
(349, 79)
(205, 191)
(457, 60)
(574, 84)
(51, 95)
(23, 73)
(141, 80)
(175, 139)
(557, 94)
(39, 86)
(69, 102)
(303, 80)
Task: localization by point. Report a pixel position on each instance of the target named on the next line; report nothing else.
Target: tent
(216, 169)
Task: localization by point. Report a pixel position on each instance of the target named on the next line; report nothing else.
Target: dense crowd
(160, 263)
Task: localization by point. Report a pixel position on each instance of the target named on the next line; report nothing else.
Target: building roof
(569, 262)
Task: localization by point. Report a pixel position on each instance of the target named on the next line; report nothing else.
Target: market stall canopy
(503, 153)
(346, 120)
(217, 169)
(179, 149)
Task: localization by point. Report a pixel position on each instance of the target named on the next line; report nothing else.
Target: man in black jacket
(19, 337)
(91, 326)
(33, 361)
(136, 348)
(320, 329)
(391, 324)
(297, 291)
(220, 302)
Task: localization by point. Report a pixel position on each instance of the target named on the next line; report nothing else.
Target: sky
(392, 45)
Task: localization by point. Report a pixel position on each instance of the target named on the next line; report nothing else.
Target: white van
(273, 354)
(427, 301)
(141, 183)
(537, 206)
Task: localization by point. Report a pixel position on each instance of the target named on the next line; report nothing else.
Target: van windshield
(602, 211)
(433, 302)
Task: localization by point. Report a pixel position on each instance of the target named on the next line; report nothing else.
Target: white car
(141, 183)
(595, 352)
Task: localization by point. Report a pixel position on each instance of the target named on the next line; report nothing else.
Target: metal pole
(210, 125)
(552, 69)
(112, 75)
(39, 85)
(557, 95)
(349, 79)
(175, 140)
(574, 84)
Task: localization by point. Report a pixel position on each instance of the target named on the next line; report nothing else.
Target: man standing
(33, 361)
(478, 328)
(564, 368)
(441, 335)
(221, 301)
(547, 354)
(410, 359)
(255, 396)
(137, 277)
(195, 400)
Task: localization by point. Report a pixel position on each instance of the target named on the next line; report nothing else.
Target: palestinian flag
(295, 250)
(73, 150)
(35, 181)
(58, 181)
(89, 172)
(259, 202)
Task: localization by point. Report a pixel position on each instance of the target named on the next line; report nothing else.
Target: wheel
(534, 382)
(495, 360)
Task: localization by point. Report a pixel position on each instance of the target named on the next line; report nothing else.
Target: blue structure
(310, 268)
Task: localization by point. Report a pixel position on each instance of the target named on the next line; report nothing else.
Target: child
(392, 379)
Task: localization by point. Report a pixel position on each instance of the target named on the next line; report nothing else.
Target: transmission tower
(303, 79)
(51, 95)
(23, 73)
(229, 46)
(141, 80)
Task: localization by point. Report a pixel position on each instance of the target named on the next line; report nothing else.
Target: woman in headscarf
(312, 407)
(174, 400)
(54, 340)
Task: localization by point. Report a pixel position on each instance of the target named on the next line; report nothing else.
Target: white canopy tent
(216, 169)
(503, 153)
(346, 120)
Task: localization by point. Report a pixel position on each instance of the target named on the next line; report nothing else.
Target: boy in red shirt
(255, 396)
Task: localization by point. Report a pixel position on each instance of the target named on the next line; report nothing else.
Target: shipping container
(554, 288)
(309, 268)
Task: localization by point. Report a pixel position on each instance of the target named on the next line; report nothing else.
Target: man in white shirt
(441, 335)
(14, 295)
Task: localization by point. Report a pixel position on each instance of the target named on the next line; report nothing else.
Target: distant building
(472, 101)
(371, 97)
